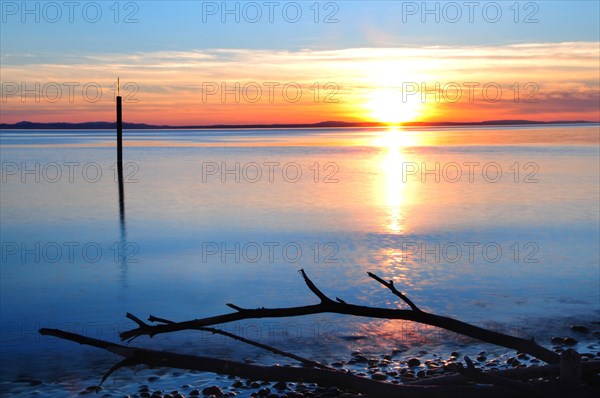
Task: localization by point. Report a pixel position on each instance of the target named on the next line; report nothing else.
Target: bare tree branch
(314, 289)
(390, 285)
(274, 350)
(340, 307)
(324, 377)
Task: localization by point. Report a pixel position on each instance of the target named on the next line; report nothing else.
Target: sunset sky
(300, 62)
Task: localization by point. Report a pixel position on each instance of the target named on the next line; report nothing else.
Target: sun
(387, 105)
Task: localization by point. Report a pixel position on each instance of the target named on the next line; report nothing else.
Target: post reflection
(122, 250)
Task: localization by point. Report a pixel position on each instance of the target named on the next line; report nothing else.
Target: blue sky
(179, 25)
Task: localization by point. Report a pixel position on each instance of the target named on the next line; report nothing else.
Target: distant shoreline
(330, 124)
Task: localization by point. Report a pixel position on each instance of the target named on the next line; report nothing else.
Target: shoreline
(397, 366)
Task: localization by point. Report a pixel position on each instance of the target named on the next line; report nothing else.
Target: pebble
(280, 385)
(413, 362)
(580, 329)
(212, 390)
(263, 392)
(453, 366)
(301, 387)
(564, 340)
(360, 359)
(379, 376)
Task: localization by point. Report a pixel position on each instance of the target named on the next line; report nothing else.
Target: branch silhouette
(490, 384)
(327, 305)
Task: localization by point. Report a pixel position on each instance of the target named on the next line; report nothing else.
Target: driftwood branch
(328, 305)
(390, 285)
(325, 377)
(490, 383)
(306, 362)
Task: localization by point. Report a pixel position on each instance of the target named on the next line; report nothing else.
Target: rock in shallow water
(263, 392)
(564, 341)
(413, 362)
(379, 376)
(280, 385)
(569, 341)
(580, 329)
(212, 390)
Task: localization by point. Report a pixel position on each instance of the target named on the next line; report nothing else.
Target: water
(495, 226)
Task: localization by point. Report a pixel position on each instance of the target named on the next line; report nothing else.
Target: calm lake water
(495, 226)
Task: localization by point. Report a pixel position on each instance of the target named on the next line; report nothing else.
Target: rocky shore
(398, 366)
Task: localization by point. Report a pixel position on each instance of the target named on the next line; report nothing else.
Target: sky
(245, 62)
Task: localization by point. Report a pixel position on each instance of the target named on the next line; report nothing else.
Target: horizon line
(324, 124)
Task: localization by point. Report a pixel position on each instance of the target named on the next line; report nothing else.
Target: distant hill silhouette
(139, 126)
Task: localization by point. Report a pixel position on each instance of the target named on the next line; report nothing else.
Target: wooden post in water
(120, 155)
(119, 127)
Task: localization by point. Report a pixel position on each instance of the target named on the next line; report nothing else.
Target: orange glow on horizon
(312, 86)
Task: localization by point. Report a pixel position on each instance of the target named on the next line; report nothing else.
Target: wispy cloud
(184, 87)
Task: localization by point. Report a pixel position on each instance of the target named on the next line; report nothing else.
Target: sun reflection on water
(394, 190)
